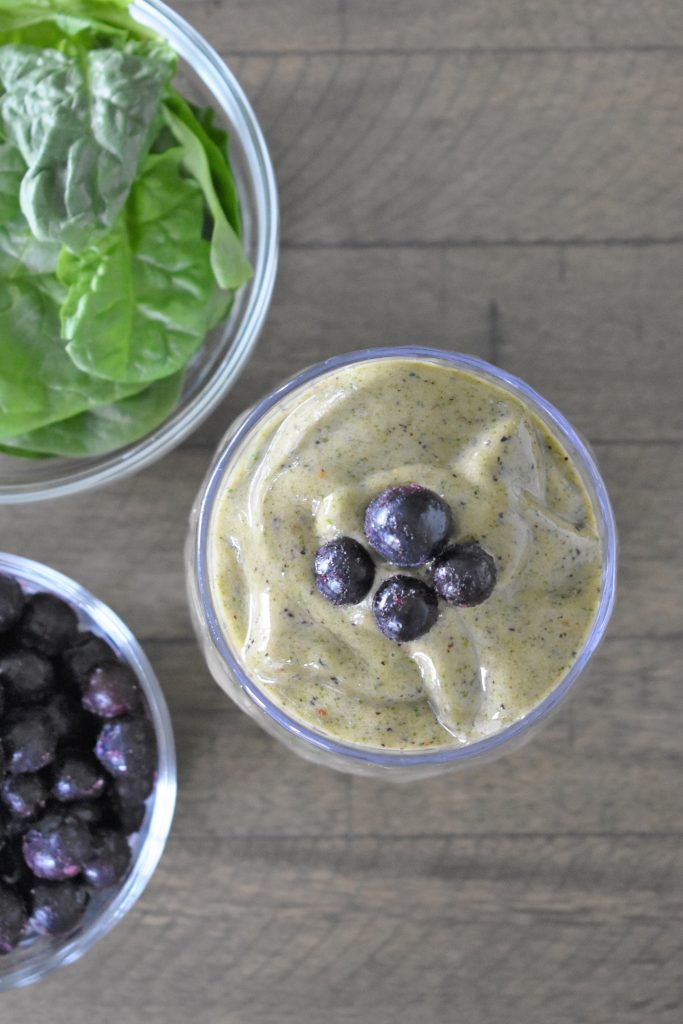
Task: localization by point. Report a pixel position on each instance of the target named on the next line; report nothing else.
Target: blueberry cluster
(78, 759)
(408, 526)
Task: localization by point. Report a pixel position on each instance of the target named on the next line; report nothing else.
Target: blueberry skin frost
(405, 608)
(464, 575)
(48, 624)
(408, 525)
(57, 907)
(344, 571)
(57, 846)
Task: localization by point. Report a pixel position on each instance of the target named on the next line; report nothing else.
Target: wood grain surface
(503, 177)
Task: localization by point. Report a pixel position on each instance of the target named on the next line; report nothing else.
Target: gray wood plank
(595, 330)
(434, 148)
(545, 930)
(609, 761)
(236, 25)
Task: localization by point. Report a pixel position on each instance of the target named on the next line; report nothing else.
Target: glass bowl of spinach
(138, 239)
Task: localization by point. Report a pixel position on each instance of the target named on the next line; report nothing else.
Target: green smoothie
(306, 476)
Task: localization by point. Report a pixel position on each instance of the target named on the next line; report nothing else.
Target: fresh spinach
(109, 181)
(82, 125)
(39, 383)
(139, 298)
(228, 261)
(104, 428)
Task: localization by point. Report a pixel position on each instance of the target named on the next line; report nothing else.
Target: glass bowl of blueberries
(87, 770)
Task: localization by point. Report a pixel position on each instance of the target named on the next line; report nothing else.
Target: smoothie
(306, 476)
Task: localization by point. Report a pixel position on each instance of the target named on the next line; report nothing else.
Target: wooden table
(504, 178)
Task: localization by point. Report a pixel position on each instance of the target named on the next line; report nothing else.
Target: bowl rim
(587, 468)
(95, 614)
(210, 67)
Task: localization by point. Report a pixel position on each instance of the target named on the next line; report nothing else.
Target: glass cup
(39, 955)
(224, 662)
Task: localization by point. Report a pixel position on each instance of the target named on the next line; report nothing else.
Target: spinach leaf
(140, 297)
(16, 15)
(229, 264)
(17, 244)
(39, 383)
(200, 121)
(105, 428)
(82, 124)
(6, 449)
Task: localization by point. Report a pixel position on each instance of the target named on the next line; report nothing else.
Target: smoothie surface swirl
(305, 476)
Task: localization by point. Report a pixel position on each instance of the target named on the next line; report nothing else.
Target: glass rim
(93, 612)
(587, 468)
(209, 66)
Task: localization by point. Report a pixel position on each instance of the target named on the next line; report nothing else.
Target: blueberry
(27, 677)
(111, 691)
(12, 918)
(28, 740)
(48, 624)
(13, 870)
(69, 721)
(11, 602)
(109, 860)
(77, 776)
(57, 907)
(57, 846)
(91, 812)
(128, 805)
(24, 796)
(344, 571)
(408, 525)
(405, 608)
(127, 749)
(86, 653)
(464, 574)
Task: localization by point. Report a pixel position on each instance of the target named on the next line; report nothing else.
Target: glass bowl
(203, 78)
(396, 765)
(37, 956)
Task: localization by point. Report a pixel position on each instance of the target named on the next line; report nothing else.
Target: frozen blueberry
(28, 740)
(70, 722)
(128, 806)
(27, 677)
(13, 870)
(48, 624)
(91, 812)
(127, 748)
(111, 691)
(464, 574)
(57, 907)
(77, 776)
(109, 860)
(12, 918)
(57, 846)
(24, 796)
(86, 653)
(408, 525)
(405, 608)
(344, 571)
(11, 602)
